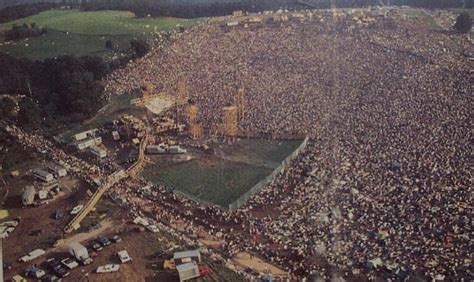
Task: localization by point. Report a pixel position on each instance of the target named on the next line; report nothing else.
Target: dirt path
(245, 260)
(106, 224)
(242, 259)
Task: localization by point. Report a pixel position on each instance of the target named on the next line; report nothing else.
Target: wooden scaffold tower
(182, 98)
(240, 103)
(230, 125)
(183, 94)
(195, 128)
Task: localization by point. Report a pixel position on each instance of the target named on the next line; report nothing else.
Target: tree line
(56, 92)
(206, 8)
(12, 13)
(23, 31)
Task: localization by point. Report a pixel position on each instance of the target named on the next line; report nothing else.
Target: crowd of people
(387, 106)
(77, 167)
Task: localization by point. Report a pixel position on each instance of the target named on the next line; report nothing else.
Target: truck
(79, 252)
(32, 255)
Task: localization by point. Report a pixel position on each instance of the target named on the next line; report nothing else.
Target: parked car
(50, 278)
(77, 209)
(108, 268)
(58, 269)
(104, 241)
(58, 214)
(116, 239)
(34, 272)
(123, 256)
(97, 247)
(70, 263)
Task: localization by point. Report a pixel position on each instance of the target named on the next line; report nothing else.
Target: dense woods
(21, 11)
(202, 8)
(56, 92)
(24, 31)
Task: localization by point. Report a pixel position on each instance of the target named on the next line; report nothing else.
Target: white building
(187, 256)
(116, 135)
(57, 170)
(43, 175)
(85, 134)
(187, 271)
(87, 143)
(98, 152)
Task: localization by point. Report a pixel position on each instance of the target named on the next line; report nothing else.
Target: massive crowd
(387, 107)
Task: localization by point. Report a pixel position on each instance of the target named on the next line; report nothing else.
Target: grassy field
(72, 32)
(224, 177)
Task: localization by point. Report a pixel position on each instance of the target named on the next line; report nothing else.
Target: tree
(109, 45)
(463, 23)
(6, 108)
(140, 47)
(29, 115)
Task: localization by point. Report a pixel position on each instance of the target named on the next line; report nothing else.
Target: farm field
(223, 177)
(73, 32)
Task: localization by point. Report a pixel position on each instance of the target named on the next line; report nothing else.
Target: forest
(206, 8)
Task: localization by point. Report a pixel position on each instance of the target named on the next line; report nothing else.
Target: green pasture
(73, 32)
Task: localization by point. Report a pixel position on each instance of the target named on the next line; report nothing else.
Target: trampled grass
(225, 176)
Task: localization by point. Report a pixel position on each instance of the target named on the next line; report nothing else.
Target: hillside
(72, 32)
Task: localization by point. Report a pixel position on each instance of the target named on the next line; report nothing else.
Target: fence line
(257, 187)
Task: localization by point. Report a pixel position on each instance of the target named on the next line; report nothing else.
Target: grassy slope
(72, 32)
(117, 106)
(222, 181)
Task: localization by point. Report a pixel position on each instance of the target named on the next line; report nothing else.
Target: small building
(233, 23)
(28, 196)
(187, 256)
(87, 143)
(116, 135)
(85, 134)
(43, 175)
(238, 13)
(18, 278)
(57, 170)
(188, 271)
(135, 141)
(255, 20)
(155, 149)
(43, 194)
(98, 152)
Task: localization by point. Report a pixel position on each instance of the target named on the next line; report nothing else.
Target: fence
(257, 187)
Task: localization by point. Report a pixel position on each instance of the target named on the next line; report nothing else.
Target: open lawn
(73, 32)
(223, 177)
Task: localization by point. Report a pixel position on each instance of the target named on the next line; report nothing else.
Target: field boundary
(257, 187)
